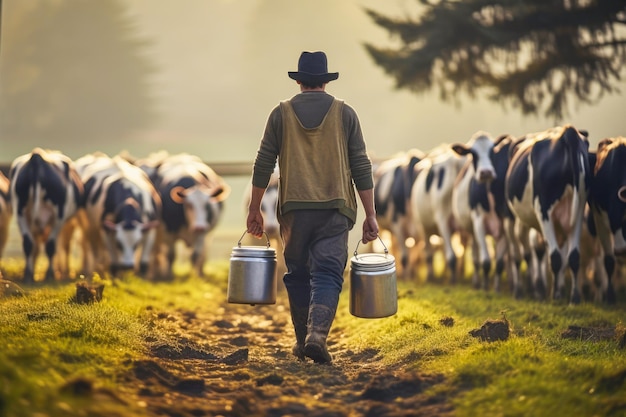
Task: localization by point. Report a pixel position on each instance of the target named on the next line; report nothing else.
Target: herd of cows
(130, 212)
(543, 200)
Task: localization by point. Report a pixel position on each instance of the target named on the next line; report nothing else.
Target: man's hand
(254, 222)
(370, 229)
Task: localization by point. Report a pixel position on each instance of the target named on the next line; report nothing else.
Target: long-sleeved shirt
(311, 108)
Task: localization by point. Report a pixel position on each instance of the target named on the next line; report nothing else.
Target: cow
(431, 193)
(269, 207)
(122, 210)
(393, 179)
(5, 212)
(192, 195)
(480, 210)
(45, 191)
(607, 202)
(546, 188)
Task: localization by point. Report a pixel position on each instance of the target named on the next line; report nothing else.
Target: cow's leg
(109, 244)
(90, 246)
(502, 249)
(449, 254)
(480, 234)
(429, 256)
(515, 255)
(147, 252)
(476, 263)
(29, 248)
(609, 261)
(557, 264)
(524, 281)
(64, 247)
(571, 248)
(537, 265)
(573, 261)
(198, 256)
(398, 244)
(51, 247)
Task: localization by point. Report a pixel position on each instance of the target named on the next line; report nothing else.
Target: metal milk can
(252, 274)
(373, 287)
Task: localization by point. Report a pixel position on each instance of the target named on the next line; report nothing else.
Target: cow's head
(124, 238)
(480, 147)
(202, 204)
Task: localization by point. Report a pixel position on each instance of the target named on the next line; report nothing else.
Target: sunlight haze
(222, 66)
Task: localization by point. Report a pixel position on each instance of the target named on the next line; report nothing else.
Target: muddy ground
(236, 361)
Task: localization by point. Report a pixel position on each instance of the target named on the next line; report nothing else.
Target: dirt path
(236, 361)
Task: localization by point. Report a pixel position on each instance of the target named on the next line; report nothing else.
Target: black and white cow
(393, 179)
(122, 209)
(547, 184)
(45, 191)
(480, 209)
(5, 212)
(192, 195)
(607, 202)
(269, 209)
(431, 193)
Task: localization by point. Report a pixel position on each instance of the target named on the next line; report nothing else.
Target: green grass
(48, 340)
(535, 372)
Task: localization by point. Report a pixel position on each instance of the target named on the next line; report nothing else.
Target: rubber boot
(320, 319)
(299, 317)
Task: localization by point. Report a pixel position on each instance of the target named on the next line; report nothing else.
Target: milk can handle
(266, 237)
(381, 241)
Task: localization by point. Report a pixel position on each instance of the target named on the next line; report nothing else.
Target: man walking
(322, 157)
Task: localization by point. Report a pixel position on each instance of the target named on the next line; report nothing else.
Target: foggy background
(214, 69)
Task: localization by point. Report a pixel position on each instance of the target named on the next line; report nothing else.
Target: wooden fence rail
(228, 169)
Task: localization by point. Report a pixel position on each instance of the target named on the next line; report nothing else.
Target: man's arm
(370, 224)
(254, 222)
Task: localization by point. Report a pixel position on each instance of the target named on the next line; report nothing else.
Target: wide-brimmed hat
(313, 69)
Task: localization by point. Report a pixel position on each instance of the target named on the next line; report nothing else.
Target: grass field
(558, 360)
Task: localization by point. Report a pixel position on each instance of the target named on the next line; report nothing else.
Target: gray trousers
(316, 254)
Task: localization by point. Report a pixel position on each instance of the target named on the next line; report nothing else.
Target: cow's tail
(578, 152)
(36, 165)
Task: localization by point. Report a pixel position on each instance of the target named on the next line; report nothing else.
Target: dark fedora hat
(313, 69)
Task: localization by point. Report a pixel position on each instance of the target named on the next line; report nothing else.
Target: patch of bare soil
(595, 334)
(236, 360)
(492, 330)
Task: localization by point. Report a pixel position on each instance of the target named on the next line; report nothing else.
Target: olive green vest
(314, 165)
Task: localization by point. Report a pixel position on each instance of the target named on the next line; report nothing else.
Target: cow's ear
(460, 149)
(108, 225)
(604, 143)
(220, 193)
(177, 194)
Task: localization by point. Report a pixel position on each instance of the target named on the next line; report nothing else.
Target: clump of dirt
(492, 330)
(596, 334)
(235, 360)
(87, 294)
(447, 321)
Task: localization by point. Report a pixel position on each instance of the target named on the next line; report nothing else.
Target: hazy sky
(223, 66)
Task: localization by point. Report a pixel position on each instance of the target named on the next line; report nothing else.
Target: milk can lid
(373, 261)
(254, 251)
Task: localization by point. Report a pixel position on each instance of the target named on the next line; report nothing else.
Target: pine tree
(535, 55)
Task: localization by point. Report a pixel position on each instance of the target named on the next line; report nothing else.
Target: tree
(535, 55)
(73, 70)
